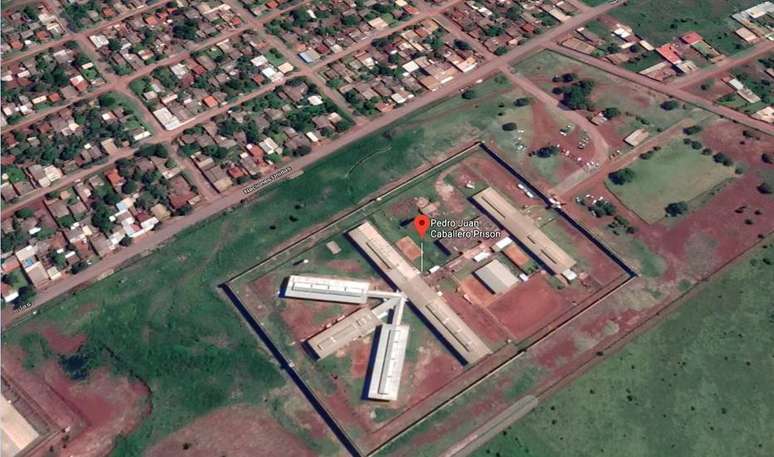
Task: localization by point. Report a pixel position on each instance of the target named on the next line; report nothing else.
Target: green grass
(162, 320)
(710, 18)
(640, 107)
(675, 173)
(698, 385)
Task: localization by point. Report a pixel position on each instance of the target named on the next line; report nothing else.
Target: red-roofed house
(669, 52)
(210, 101)
(691, 38)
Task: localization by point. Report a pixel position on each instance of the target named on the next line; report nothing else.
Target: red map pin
(421, 223)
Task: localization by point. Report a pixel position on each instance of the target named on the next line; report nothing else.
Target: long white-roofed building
(526, 231)
(408, 280)
(327, 289)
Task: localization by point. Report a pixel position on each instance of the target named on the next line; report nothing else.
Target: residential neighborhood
(399, 67)
(258, 136)
(75, 137)
(322, 28)
(27, 27)
(81, 15)
(209, 78)
(501, 25)
(52, 77)
(163, 32)
(70, 229)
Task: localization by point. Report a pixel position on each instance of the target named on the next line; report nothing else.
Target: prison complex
(427, 302)
(526, 231)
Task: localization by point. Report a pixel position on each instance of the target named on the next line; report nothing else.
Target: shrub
(510, 126)
(611, 112)
(522, 101)
(764, 188)
(676, 209)
(622, 176)
(469, 94)
(669, 105)
(692, 130)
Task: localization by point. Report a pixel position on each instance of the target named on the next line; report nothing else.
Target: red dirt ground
(110, 406)
(299, 315)
(453, 200)
(477, 291)
(408, 248)
(480, 321)
(60, 343)
(528, 307)
(234, 431)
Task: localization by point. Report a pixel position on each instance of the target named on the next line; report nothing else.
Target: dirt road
(670, 90)
(714, 70)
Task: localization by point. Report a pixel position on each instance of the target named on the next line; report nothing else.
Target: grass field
(162, 317)
(639, 106)
(675, 173)
(710, 18)
(698, 385)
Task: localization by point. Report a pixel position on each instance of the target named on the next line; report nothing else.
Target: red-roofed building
(691, 38)
(669, 53)
(235, 172)
(210, 101)
(114, 178)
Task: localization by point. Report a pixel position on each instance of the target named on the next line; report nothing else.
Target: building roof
(388, 362)
(427, 302)
(326, 289)
(357, 325)
(525, 230)
(691, 38)
(669, 52)
(496, 276)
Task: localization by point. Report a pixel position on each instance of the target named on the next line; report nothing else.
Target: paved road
(226, 200)
(672, 91)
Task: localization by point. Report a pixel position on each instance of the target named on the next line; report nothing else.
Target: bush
(692, 130)
(622, 176)
(676, 209)
(722, 158)
(603, 208)
(547, 151)
(767, 158)
(510, 126)
(764, 188)
(25, 213)
(522, 101)
(469, 94)
(500, 50)
(611, 112)
(669, 105)
(462, 45)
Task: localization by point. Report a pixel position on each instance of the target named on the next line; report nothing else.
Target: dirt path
(672, 91)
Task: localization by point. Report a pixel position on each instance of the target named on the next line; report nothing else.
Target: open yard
(697, 385)
(673, 174)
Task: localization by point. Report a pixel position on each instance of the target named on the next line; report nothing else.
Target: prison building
(526, 231)
(387, 367)
(408, 280)
(326, 289)
(355, 326)
(496, 276)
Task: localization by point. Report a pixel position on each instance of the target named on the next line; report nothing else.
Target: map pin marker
(421, 223)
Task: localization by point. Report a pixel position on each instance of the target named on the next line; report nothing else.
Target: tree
(126, 241)
(676, 209)
(603, 208)
(767, 158)
(622, 176)
(692, 130)
(509, 126)
(469, 94)
(129, 187)
(521, 101)
(611, 112)
(547, 151)
(669, 105)
(500, 50)
(26, 295)
(764, 188)
(24, 213)
(462, 45)
(107, 101)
